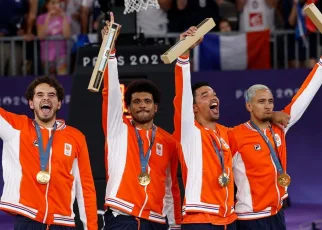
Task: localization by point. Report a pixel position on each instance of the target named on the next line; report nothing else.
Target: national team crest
(278, 140)
(257, 147)
(68, 149)
(159, 148)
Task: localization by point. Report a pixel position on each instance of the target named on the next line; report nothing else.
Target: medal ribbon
(271, 149)
(219, 153)
(44, 154)
(145, 159)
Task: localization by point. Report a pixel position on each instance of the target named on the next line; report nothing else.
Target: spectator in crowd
(31, 18)
(13, 23)
(256, 15)
(153, 20)
(185, 13)
(30, 34)
(54, 22)
(78, 11)
(305, 34)
(96, 19)
(224, 25)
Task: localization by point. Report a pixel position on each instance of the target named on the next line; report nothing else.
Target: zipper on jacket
(228, 172)
(278, 191)
(226, 205)
(47, 186)
(146, 195)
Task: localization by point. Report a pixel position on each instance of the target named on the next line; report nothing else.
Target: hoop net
(137, 5)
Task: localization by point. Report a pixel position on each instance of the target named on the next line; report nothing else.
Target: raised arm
(183, 102)
(304, 96)
(112, 100)
(10, 124)
(85, 189)
(112, 111)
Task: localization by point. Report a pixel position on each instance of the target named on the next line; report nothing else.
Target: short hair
(196, 86)
(252, 90)
(139, 86)
(53, 82)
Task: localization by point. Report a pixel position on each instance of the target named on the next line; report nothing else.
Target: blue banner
(303, 139)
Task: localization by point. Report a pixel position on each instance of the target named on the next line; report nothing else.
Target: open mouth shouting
(46, 109)
(214, 107)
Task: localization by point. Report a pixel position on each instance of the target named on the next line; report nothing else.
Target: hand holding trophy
(190, 32)
(109, 33)
(186, 42)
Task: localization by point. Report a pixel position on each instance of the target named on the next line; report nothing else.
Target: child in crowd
(54, 22)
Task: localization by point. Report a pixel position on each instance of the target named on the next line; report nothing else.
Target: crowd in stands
(74, 20)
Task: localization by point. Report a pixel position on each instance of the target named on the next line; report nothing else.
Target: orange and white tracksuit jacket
(258, 193)
(68, 165)
(205, 200)
(159, 199)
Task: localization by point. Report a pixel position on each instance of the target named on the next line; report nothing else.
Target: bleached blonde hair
(252, 91)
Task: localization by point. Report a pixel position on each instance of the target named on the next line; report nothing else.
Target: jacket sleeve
(233, 145)
(112, 107)
(184, 125)
(304, 96)
(85, 189)
(172, 196)
(10, 124)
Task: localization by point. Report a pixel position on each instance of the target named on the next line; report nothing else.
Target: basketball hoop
(137, 5)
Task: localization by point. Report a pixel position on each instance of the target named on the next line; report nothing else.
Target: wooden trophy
(315, 15)
(184, 44)
(103, 56)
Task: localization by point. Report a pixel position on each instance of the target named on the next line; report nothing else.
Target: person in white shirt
(256, 15)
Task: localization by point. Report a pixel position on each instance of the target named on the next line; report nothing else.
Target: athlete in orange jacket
(206, 160)
(45, 164)
(141, 159)
(259, 155)
(206, 171)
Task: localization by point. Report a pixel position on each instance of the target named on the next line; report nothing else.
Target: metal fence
(19, 57)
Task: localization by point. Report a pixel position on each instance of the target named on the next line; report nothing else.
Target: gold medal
(284, 180)
(223, 180)
(144, 179)
(43, 177)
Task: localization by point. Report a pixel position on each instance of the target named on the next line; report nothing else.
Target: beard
(46, 119)
(214, 118)
(143, 118)
(266, 119)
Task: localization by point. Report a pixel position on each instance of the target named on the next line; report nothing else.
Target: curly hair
(53, 82)
(142, 86)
